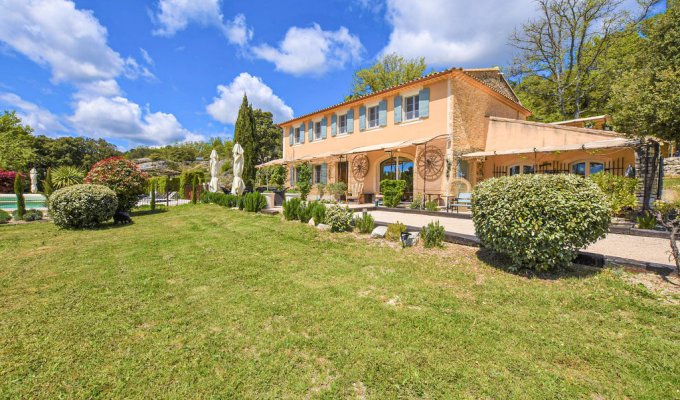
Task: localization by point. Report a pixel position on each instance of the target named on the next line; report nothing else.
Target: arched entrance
(399, 168)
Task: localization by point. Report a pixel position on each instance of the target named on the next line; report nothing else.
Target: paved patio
(637, 248)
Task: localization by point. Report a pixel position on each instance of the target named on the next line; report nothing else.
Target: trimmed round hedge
(539, 221)
(82, 206)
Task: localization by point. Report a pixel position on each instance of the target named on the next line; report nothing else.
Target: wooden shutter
(323, 128)
(302, 133)
(382, 113)
(311, 130)
(334, 125)
(362, 118)
(290, 132)
(424, 102)
(350, 121)
(397, 109)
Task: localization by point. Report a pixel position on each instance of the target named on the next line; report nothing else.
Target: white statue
(214, 185)
(34, 180)
(237, 187)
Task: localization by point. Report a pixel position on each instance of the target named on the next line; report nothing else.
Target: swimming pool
(9, 201)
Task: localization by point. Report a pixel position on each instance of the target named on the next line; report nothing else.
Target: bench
(463, 200)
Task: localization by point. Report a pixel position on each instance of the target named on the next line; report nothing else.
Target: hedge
(82, 206)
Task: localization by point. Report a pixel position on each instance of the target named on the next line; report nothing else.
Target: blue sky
(160, 71)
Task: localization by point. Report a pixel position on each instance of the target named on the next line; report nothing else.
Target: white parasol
(214, 171)
(237, 187)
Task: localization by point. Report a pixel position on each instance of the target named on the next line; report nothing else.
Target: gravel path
(625, 246)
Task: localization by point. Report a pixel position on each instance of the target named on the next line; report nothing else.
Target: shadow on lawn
(502, 262)
(147, 211)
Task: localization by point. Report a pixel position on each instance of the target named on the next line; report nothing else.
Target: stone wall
(671, 166)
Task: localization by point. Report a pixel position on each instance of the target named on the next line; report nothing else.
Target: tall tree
(16, 143)
(390, 70)
(269, 137)
(646, 97)
(558, 52)
(244, 134)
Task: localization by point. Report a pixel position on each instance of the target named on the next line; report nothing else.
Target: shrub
(4, 217)
(336, 189)
(122, 176)
(433, 235)
(82, 206)
(305, 212)
(194, 190)
(365, 223)
(222, 199)
(152, 202)
(291, 208)
(48, 188)
(539, 221)
(30, 215)
(7, 181)
(669, 210)
(66, 175)
(620, 191)
(19, 192)
(339, 218)
(304, 182)
(646, 220)
(319, 213)
(254, 202)
(278, 176)
(393, 191)
(188, 177)
(432, 206)
(321, 188)
(417, 202)
(394, 231)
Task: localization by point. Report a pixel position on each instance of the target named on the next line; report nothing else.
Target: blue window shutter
(382, 113)
(292, 176)
(302, 133)
(397, 109)
(324, 172)
(462, 169)
(350, 121)
(334, 125)
(310, 125)
(290, 132)
(323, 128)
(424, 102)
(362, 118)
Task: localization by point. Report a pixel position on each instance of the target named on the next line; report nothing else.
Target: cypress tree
(47, 183)
(152, 203)
(19, 191)
(194, 190)
(244, 134)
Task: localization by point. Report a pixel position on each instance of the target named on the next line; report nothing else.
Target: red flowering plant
(7, 181)
(122, 176)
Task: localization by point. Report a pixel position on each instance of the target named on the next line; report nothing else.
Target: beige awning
(278, 161)
(366, 149)
(416, 142)
(315, 156)
(601, 144)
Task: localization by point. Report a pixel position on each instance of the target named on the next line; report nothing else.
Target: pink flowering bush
(122, 176)
(7, 181)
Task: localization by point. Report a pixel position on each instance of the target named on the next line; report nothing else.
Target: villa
(442, 134)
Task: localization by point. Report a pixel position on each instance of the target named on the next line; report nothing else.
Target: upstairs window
(297, 135)
(411, 108)
(317, 131)
(373, 117)
(342, 124)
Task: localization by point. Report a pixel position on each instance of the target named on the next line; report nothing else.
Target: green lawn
(202, 301)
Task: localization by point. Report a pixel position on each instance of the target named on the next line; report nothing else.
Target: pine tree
(244, 134)
(19, 191)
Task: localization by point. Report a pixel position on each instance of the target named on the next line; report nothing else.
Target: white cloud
(145, 55)
(175, 15)
(40, 119)
(224, 108)
(312, 50)
(120, 118)
(54, 33)
(452, 32)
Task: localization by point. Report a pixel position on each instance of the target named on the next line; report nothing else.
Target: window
(317, 173)
(520, 169)
(317, 131)
(298, 136)
(591, 167)
(373, 117)
(342, 124)
(411, 109)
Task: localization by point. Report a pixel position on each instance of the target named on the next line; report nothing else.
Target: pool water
(9, 201)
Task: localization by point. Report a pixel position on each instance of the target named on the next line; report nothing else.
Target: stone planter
(270, 199)
(292, 196)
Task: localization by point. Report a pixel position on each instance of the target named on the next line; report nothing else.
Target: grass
(201, 301)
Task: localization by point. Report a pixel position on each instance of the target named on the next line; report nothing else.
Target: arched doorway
(399, 168)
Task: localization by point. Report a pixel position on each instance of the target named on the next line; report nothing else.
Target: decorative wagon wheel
(360, 167)
(430, 164)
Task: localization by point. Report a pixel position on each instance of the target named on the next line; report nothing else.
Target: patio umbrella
(238, 186)
(214, 171)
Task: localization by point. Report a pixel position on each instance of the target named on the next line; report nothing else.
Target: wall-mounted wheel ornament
(430, 164)
(360, 167)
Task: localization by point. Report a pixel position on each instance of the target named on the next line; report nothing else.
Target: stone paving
(638, 248)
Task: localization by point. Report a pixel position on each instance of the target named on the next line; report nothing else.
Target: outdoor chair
(355, 192)
(463, 200)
